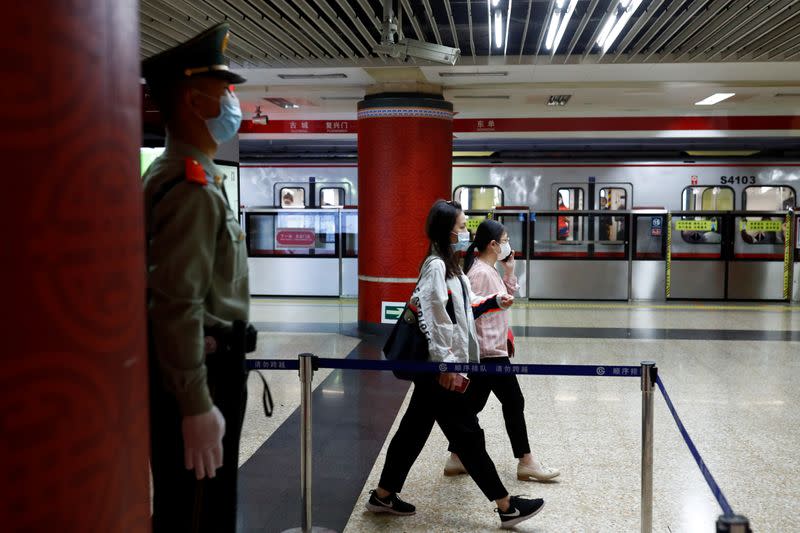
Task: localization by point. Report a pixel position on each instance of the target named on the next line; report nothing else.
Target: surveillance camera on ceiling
(420, 50)
(405, 48)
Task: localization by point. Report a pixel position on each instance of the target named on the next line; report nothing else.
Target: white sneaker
(537, 471)
(454, 467)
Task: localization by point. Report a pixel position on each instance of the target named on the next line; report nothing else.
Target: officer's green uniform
(197, 283)
(197, 268)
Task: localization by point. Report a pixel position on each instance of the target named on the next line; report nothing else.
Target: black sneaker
(520, 510)
(391, 504)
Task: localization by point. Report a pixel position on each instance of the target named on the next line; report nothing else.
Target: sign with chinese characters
(295, 238)
(764, 226)
(695, 225)
(391, 311)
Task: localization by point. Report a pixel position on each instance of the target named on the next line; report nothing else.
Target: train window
(768, 198)
(765, 198)
(478, 197)
(293, 197)
(700, 198)
(331, 196)
(707, 199)
(569, 199)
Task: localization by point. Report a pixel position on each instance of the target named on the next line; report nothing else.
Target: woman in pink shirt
(491, 241)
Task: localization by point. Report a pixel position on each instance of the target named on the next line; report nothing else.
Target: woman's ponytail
(469, 258)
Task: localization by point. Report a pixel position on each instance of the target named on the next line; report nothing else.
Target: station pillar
(405, 147)
(73, 383)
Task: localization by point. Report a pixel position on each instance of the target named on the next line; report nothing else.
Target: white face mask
(505, 250)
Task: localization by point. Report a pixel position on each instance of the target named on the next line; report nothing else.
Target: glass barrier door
(696, 260)
(294, 252)
(760, 262)
(578, 264)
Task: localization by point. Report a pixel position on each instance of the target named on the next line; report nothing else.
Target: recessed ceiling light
(340, 97)
(471, 74)
(282, 102)
(332, 76)
(482, 97)
(715, 99)
(722, 153)
(558, 99)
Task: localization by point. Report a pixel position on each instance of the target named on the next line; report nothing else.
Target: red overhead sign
(295, 237)
(551, 124)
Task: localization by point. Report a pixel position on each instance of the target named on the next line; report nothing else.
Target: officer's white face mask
(225, 126)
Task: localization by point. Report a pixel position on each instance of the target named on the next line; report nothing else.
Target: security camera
(420, 50)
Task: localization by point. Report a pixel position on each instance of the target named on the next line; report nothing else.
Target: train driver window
(293, 197)
(331, 197)
(612, 199)
(569, 199)
(478, 197)
(699, 198)
(766, 198)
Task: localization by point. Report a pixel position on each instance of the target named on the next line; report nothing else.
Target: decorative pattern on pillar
(405, 146)
(73, 387)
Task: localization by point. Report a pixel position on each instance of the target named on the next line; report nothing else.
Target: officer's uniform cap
(203, 55)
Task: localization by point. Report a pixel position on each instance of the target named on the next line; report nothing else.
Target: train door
(758, 263)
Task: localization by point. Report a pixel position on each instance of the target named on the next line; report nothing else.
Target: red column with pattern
(404, 165)
(73, 387)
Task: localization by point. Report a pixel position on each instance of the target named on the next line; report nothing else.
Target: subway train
(581, 231)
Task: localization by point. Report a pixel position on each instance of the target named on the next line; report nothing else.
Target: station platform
(729, 369)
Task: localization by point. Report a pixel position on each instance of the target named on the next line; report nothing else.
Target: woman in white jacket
(436, 398)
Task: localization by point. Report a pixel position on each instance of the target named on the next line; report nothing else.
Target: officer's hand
(505, 301)
(202, 442)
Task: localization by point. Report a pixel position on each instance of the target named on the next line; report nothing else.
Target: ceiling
(309, 33)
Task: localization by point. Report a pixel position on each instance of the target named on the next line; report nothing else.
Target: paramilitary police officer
(198, 295)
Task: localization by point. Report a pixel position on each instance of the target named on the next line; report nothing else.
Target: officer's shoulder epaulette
(195, 173)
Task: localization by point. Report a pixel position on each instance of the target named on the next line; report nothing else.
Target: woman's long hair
(488, 231)
(441, 219)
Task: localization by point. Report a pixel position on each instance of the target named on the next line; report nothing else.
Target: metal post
(648, 379)
(733, 524)
(307, 366)
(306, 377)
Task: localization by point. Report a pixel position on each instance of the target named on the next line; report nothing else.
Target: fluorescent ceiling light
(282, 102)
(498, 29)
(715, 99)
(472, 154)
(558, 24)
(471, 74)
(335, 75)
(616, 22)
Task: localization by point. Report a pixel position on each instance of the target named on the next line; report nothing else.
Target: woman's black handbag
(407, 343)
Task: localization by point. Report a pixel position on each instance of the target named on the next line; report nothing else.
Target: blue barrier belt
(481, 368)
(712, 484)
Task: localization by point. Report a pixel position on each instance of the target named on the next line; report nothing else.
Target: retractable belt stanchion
(307, 365)
(648, 373)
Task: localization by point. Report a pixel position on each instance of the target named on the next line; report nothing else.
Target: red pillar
(73, 388)
(405, 147)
